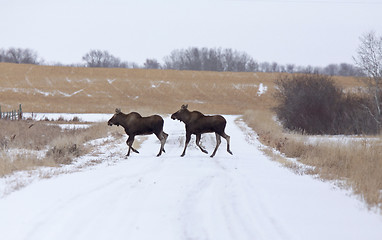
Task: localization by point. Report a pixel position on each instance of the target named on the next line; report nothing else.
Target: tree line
(193, 58)
(19, 55)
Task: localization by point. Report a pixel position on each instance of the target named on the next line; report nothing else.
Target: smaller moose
(134, 124)
(197, 123)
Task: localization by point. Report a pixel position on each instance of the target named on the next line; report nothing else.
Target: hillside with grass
(101, 90)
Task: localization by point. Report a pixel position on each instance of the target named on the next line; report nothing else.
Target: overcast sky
(302, 32)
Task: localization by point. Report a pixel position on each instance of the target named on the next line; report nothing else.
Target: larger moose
(134, 124)
(197, 123)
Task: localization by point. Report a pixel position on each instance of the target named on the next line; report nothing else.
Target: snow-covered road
(244, 196)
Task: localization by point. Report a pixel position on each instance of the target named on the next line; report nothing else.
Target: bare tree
(252, 66)
(98, 58)
(2, 55)
(331, 69)
(369, 60)
(235, 61)
(174, 60)
(151, 64)
(290, 68)
(274, 67)
(213, 59)
(19, 55)
(265, 67)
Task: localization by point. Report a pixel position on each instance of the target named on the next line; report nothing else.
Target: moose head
(181, 114)
(115, 120)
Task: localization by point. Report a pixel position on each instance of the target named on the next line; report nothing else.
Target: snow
(262, 89)
(337, 139)
(156, 84)
(244, 196)
(85, 117)
(41, 92)
(72, 126)
(240, 86)
(110, 81)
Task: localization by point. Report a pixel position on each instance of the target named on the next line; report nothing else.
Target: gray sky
(302, 32)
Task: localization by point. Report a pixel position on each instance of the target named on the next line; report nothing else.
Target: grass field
(97, 90)
(50, 89)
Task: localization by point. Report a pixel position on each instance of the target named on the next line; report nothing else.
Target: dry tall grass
(357, 164)
(25, 145)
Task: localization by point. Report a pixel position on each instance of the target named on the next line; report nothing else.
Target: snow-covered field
(84, 117)
(244, 196)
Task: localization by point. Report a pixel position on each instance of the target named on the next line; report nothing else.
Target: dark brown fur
(197, 123)
(134, 124)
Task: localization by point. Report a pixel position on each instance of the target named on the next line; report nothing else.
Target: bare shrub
(307, 103)
(42, 144)
(353, 115)
(76, 119)
(24, 160)
(63, 149)
(27, 134)
(313, 104)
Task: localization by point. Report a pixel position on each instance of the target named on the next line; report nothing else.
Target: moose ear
(185, 106)
(117, 110)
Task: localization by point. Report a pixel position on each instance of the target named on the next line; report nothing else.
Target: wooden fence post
(12, 115)
(20, 113)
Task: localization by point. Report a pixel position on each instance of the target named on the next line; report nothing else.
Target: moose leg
(198, 136)
(227, 138)
(218, 141)
(188, 138)
(165, 135)
(129, 143)
(162, 136)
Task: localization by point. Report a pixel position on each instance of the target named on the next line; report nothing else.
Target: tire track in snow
(213, 207)
(90, 195)
(219, 206)
(191, 226)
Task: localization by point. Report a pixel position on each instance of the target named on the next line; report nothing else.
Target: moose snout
(109, 123)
